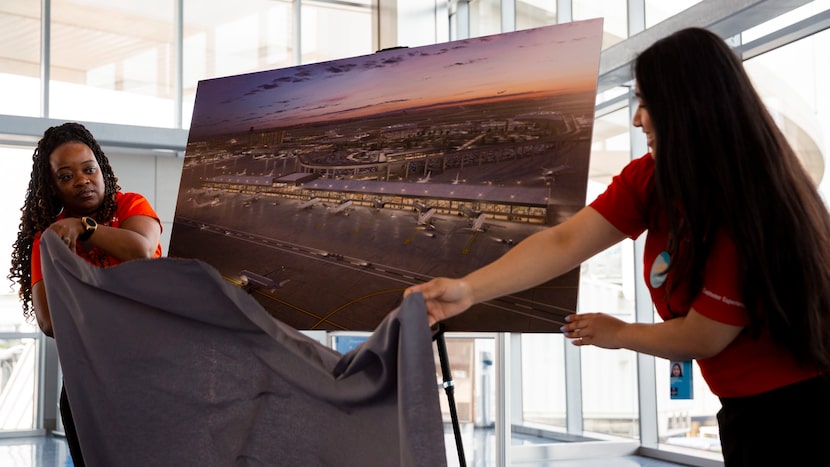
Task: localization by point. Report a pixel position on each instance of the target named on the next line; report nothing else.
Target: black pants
(784, 427)
(69, 429)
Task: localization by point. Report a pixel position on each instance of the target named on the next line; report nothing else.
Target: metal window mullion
(504, 418)
(45, 55)
(462, 19)
(564, 11)
(784, 36)
(508, 15)
(178, 63)
(644, 313)
(636, 16)
(298, 32)
(574, 418)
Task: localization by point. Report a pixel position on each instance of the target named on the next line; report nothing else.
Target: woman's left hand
(597, 329)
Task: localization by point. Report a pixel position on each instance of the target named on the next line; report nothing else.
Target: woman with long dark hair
(737, 253)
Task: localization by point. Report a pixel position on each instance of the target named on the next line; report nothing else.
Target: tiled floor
(38, 451)
(52, 451)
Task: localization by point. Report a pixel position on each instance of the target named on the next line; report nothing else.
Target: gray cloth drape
(167, 364)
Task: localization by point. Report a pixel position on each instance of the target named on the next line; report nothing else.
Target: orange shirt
(127, 205)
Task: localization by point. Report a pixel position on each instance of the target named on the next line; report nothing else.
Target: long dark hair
(42, 204)
(722, 163)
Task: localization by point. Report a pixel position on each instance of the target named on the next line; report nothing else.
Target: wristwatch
(89, 228)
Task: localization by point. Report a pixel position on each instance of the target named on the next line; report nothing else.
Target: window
(20, 58)
(615, 24)
(18, 339)
(117, 54)
(535, 13)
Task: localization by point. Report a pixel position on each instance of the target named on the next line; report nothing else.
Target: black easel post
(449, 388)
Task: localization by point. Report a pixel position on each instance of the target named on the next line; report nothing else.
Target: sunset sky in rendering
(524, 63)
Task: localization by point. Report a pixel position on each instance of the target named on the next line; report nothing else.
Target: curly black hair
(42, 204)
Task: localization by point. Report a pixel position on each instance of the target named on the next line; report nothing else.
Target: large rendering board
(327, 189)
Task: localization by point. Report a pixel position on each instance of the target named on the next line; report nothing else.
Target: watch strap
(90, 226)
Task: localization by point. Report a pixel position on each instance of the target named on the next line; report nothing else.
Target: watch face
(90, 223)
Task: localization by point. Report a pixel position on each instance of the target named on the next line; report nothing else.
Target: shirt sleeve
(37, 272)
(720, 299)
(133, 204)
(625, 202)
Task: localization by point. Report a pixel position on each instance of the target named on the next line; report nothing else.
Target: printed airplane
(197, 191)
(343, 207)
(309, 204)
(467, 211)
(478, 223)
(253, 199)
(424, 179)
(553, 172)
(251, 281)
(506, 241)
(419, 206)
(477, 219)
(207, 204)
(470, 143)
(425, 218)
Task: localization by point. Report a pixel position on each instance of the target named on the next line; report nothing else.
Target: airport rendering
(327, 219)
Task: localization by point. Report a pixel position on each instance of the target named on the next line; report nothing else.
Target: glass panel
(686, 423)
(614, 12)
(543, 380)
(18, 360)
(118, 54)
(792, 81)
(484, 384)
(20, 58)
(421, 22)
(658, 10)
(18, 356)
(535, 13)
(485, 17)
(453, 20)
(791, 17)
(470, 362)
(607, 285)
(461, 357)
(14, 178)
(610, 150)
(324, 27)
(232, 38)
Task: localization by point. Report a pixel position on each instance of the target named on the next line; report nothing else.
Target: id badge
(680, 379)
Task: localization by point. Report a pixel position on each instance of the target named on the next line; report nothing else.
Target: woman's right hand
(444, 297)
(68, 230)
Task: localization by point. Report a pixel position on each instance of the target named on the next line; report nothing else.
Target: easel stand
(449, 388)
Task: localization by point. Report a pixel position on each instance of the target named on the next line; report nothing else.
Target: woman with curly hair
(74, 192)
